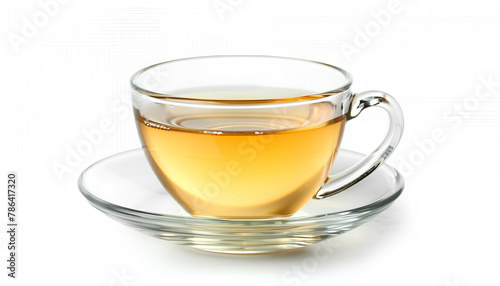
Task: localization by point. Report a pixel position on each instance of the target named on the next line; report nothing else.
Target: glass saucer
(124, 187)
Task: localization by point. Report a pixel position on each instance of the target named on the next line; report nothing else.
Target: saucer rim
(385, 201)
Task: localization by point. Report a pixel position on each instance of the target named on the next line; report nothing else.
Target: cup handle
(345, 179)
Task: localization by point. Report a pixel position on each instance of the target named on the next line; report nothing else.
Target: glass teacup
(251, 136)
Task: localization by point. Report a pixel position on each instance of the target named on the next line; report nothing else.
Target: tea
(248, 164)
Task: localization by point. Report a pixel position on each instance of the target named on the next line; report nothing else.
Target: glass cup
(252, 136)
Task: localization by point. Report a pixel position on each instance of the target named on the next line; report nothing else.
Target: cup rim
(167, 98)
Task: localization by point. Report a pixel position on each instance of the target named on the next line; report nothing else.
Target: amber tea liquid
(242, 165)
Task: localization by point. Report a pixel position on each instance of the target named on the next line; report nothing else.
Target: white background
(70, 72)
